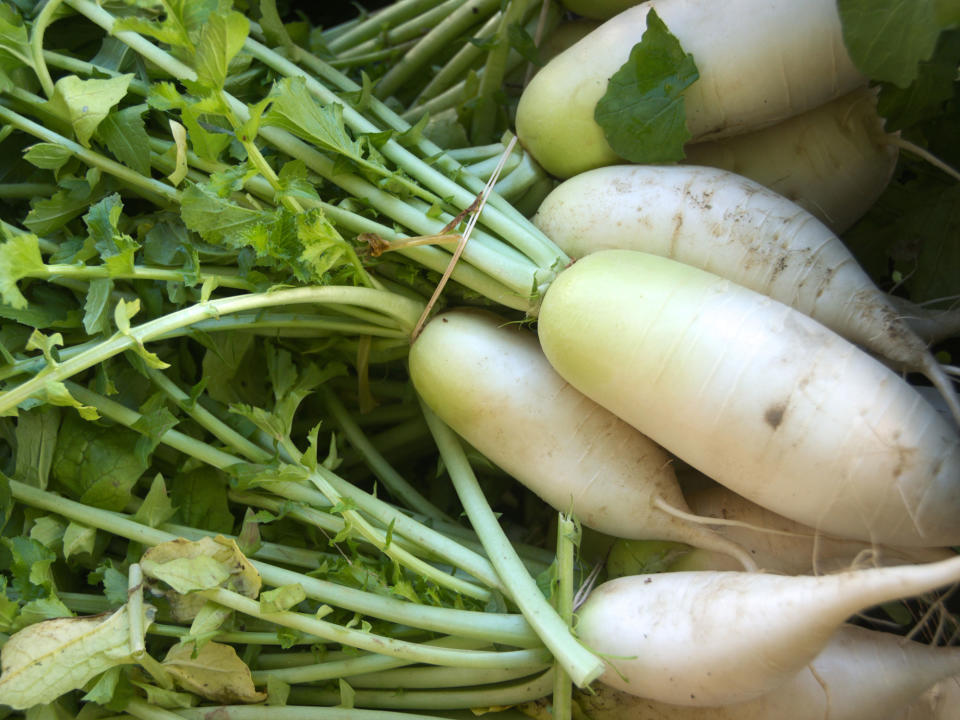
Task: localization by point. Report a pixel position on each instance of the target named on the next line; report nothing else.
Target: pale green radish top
(736, 228)
(757, 396)
(491, 383)
(759, 61)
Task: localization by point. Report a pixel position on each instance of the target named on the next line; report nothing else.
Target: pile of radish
(681, 355)
(733, 328)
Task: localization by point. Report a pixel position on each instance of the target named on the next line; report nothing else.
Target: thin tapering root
(936, 374)
(704, 537)
(704, 520)
(924, 154)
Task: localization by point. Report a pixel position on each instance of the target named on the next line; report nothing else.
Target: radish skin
(860, 675)
(833, 161)
(756, 396)
(940, 702)
(800, 552)
(760, 61)
(719, 638)
(491, 383)
(734, 227)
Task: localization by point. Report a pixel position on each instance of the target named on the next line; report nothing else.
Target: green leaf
(523, 43)
(296, 111)
(84, 104)
(36, 440)
(323, 246)
(282, 598)
(156, 508)
(48, 531)
(14, 43)
(887, 38)
(45, 608)
(48, 215)
(170, 699)
(925, 97)
(115, 583)
(277, 691)
(96, 318)
(47, 156)
(96, 463)
(125, 135)
(272, 26)
(78, 540)
(642, 113)
(19, 257)
(105, 687)
(221, 39)
(200, 497)
(154, 421)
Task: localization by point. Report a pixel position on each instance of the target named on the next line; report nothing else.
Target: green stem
(263, 323)
(379, 22)
(239, 637)
(221, 460)
(394, 482)
(423, 678)
(567, 540)
(438, 700)
(517, 230)
(408, 30)
(402, 309)
(493, 627)
(36, 45)
(582, 665)
(436, 40)
(26, 190)
(224, 278)
(458, 66)
(343, 667)
(159, 192)
(491, 80)
(365, 640)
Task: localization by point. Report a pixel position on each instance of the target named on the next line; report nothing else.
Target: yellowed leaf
(218, 563)
(216, 673)
(47, 659)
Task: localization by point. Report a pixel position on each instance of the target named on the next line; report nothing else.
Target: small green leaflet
(642, 113)
(19, 257)
(886, 39)
(47, 156)
(84, 104)
(221, 39)
(14, 43)
(126, 137)
(295, 110)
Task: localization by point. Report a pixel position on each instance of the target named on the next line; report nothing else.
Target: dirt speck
(774, 415)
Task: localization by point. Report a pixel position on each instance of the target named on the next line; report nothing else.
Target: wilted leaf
(201, 565)
(216, 673)
(47, 659)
